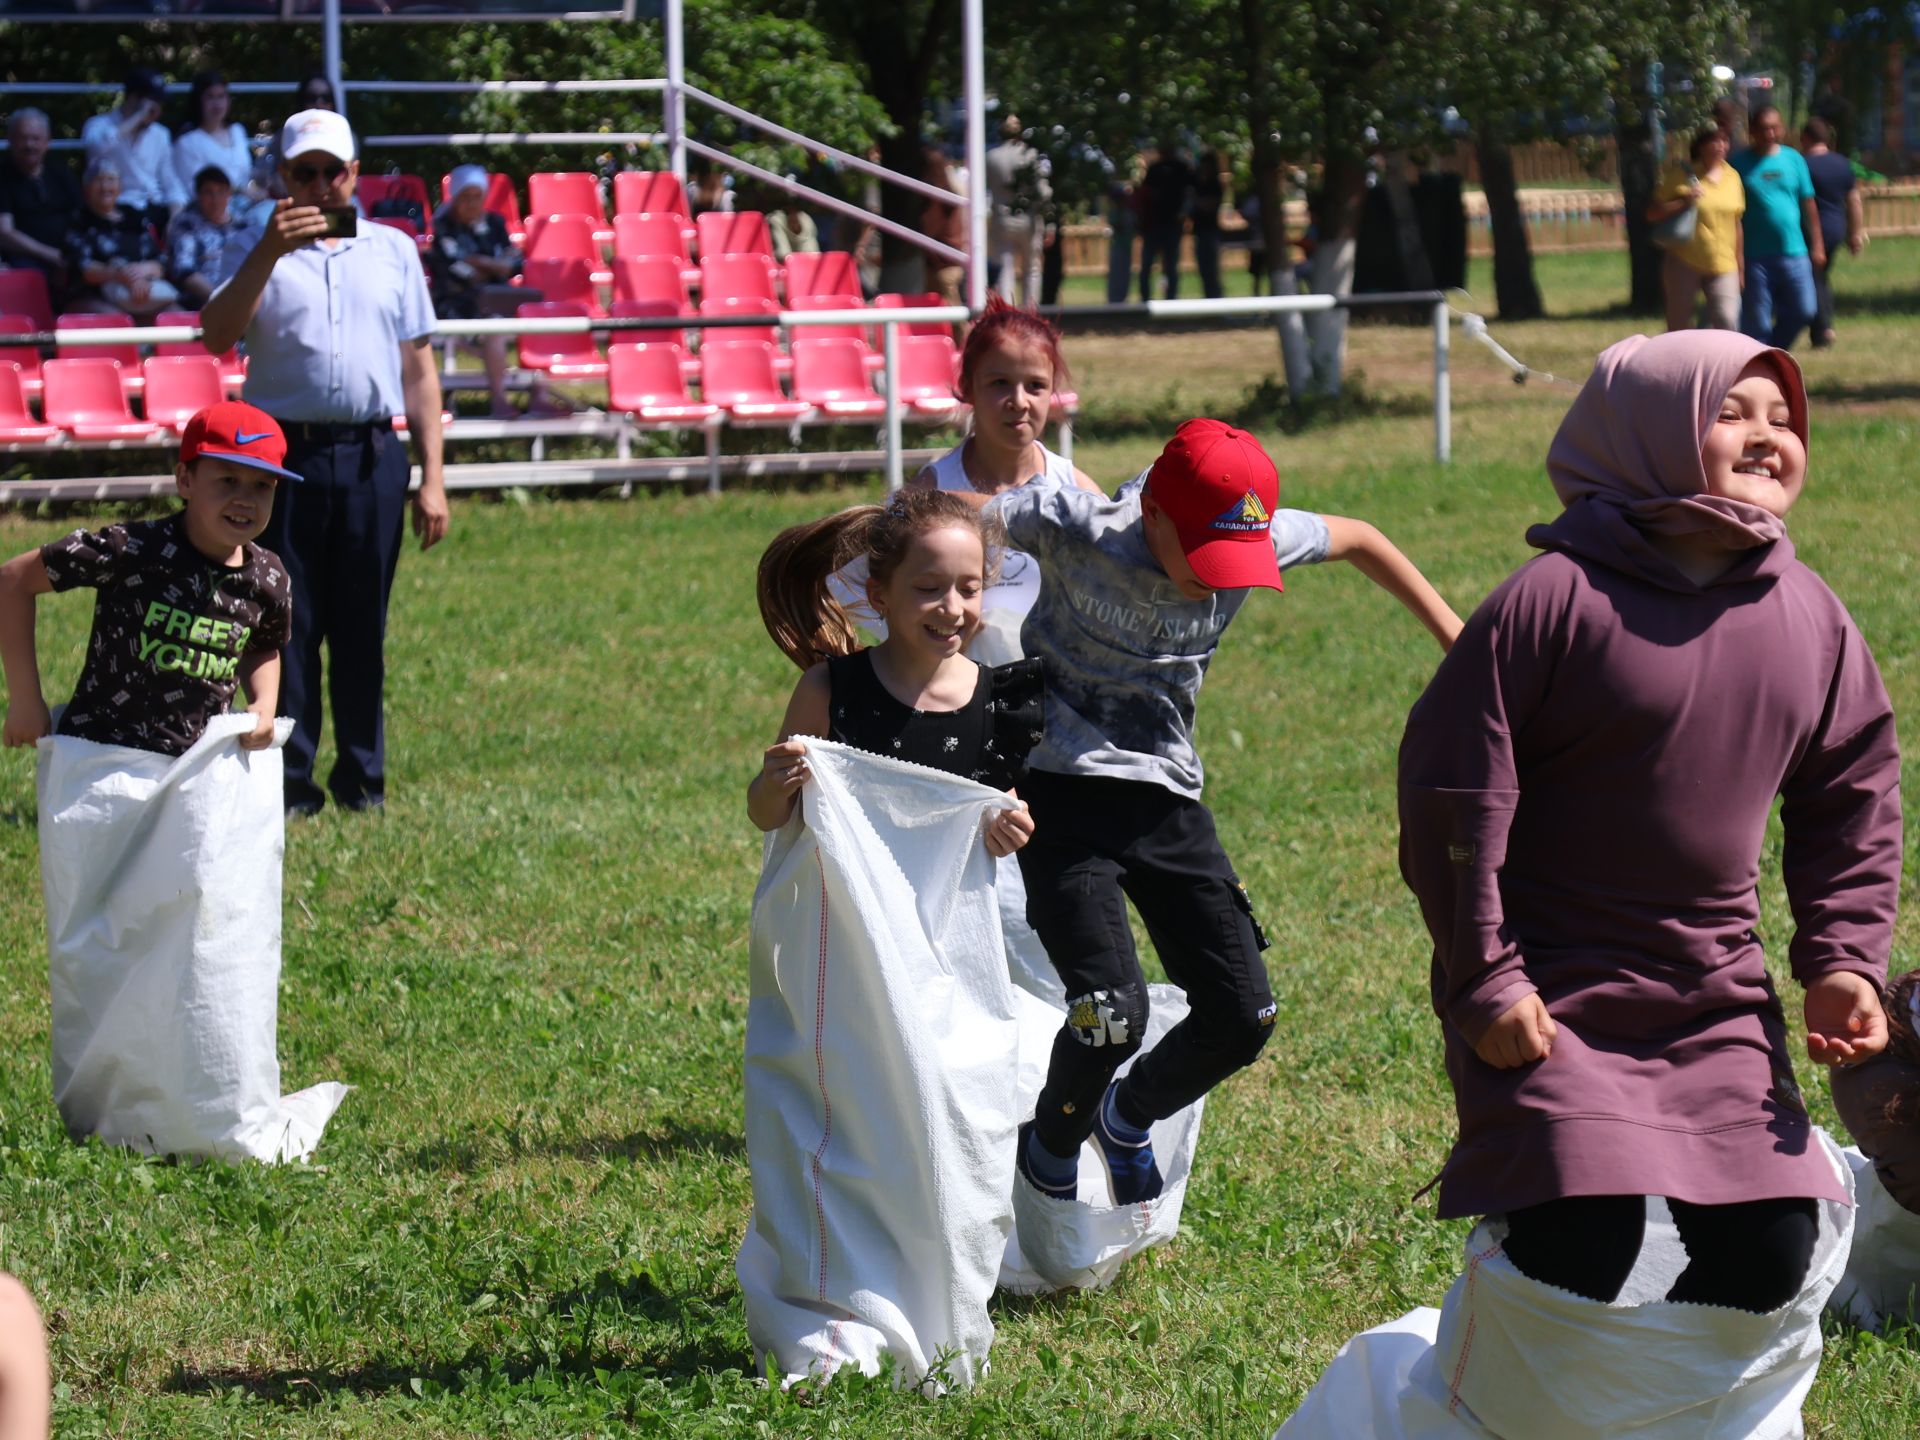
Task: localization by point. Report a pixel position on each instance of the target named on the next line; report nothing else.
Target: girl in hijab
(1584, 793)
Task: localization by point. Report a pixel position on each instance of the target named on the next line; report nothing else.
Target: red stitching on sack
(820, 1074)
(1466, 1345)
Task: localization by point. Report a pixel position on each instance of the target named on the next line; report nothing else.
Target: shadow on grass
(1865, 392)
(671, 1141)
(598, 1306)
(1263, 405)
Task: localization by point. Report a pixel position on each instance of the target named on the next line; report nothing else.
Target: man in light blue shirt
(1782, 234)
(338, 334)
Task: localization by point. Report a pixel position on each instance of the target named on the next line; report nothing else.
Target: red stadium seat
(399, 222)
(501, 199)
(739, 379)
(802, 303)
(569, 281)
(891, 301)
(85, 398)
(649, 309)
(17, 425)
(653, 237)
(233, 370)
(651, 192)
(828, 272)
(24, 292)
(929, 373)
(649, 277)
(25, 358)
(649, 383)
(180, 387)
(372, 190)
(739, 334)
(127, 355)
(565, 357)
(563, 237)
(568, 192)
(737, 277)
(832, 376)
(737, 232)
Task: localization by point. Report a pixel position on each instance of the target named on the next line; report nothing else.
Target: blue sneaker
(1131, 1170)
(1068, 1191)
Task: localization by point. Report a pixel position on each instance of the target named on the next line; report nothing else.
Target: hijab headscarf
(1632, 439)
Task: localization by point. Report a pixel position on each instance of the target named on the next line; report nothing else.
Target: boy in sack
(160, 849)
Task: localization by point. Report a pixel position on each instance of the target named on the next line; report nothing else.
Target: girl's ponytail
(800, 612)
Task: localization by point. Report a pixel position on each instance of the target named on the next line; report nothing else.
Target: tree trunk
(1639, 174)
(902, 265)
(1270, 182)
(1515, 294)
(1342, 202)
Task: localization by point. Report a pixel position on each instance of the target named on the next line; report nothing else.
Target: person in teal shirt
(1782, 234)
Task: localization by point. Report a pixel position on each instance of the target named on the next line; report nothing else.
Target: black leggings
(1751, 1256)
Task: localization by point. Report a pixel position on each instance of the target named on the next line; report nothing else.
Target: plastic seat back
(180, 386)
(734, 306)
(833, 375)
(735, 373)
(567, 192)
(652, 378)
(569, 281)
(563, 355)
(86, 395)
(17, 424)
(738, 232)
(929, 369)
(892, 301)
(563, 237)
(829, 272)
(802, 303)
(736, 277)
(232, 369)
(649, 277)
(649, 234)
(25, 357)
(657, 192)
(650, 310)
(128, 355)
(24, 292)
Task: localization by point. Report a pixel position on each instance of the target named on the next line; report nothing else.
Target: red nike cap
(1219, 487)
(234, 430)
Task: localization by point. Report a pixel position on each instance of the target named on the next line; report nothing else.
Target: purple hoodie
(1584, 793)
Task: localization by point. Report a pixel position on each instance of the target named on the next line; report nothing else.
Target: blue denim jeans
(1779, 299)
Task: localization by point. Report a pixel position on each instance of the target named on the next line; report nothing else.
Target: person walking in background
(130, 137)
(1209, 194)
(1018, 190)
(1782, 234)
(39, 200)
(1164, 192)
(339, 340)
(1713, 259)
(1123, 198)
(1837, 199)
(212, 137)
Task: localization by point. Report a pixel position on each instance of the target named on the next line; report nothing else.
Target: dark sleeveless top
(987, 739)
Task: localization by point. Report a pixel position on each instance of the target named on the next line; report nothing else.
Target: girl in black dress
(914, 696)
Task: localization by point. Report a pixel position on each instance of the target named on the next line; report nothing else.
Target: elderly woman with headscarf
(1584, 795)
(471, 260)
(113, 253)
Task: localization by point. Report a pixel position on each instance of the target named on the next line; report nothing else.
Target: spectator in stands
(1019, 189)
(711, 190)
(39, 200)
(1782, 234)
(793, 229)
(197, 238)
(339, 341)
(944, 222)
(1209, 194)
(113, 252)
(471, 262)
(1713, 260)
(1164, 194)
(211, 137)
(131, 138)
(1843, 219)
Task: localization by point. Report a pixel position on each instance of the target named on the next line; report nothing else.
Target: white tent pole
(973, 42)
(676, 106)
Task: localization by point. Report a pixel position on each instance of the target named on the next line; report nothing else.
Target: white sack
(162, 882)
(1082, 1244)
(882, 1059)
(1883, 1267)
(1508, 1358)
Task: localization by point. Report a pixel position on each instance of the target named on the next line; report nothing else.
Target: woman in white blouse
(211, 138)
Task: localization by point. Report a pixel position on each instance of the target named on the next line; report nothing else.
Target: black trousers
(1164, 243)
(1751, 1256)
(1823, 292)
(1097, 844)
(339, 531)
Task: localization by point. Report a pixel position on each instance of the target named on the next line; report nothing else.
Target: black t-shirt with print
(169, 629)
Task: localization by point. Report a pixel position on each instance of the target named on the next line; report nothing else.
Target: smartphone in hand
(343, 221)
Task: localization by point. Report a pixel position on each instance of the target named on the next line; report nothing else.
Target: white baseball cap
(323, 130)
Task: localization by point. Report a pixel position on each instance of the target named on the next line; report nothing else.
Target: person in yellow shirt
(1714, 259)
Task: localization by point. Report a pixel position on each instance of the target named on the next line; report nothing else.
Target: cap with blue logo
(236, 431)
(1219, 487)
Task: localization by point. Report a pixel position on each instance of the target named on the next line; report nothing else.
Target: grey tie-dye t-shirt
(1125, 651)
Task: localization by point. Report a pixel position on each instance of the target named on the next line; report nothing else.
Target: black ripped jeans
(1097, 844)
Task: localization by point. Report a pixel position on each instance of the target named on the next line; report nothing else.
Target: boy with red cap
(188, 607)
(1134, 595)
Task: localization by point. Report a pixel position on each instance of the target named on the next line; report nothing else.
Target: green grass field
(534, 966)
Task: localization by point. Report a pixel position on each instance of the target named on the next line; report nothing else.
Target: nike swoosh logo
(241, 438)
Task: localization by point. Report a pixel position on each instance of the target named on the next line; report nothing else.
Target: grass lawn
(534, 966)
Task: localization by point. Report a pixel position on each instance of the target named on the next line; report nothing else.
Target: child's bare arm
(21, 580)
(783, 768)
(1845, 1021)
(1380, 560)
(260, 673)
